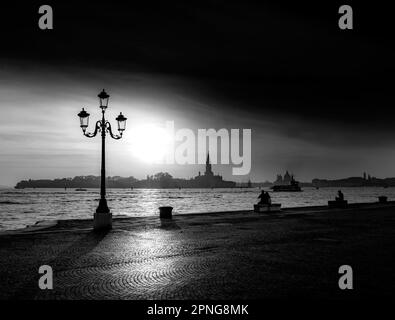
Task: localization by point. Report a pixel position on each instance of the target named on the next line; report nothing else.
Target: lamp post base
(102, 220)
(102, 207)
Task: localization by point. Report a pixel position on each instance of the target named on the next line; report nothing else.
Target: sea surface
(19, 208)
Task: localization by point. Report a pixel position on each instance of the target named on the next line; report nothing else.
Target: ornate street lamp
(102, 216)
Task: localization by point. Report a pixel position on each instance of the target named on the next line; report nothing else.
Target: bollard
(383, 199)
(165, 212)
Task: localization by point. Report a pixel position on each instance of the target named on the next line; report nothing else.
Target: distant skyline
(317, 100)
(126, 182)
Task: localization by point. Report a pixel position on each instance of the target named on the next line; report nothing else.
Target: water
(19, 208)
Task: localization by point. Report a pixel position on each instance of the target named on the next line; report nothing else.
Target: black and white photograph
(197, 159)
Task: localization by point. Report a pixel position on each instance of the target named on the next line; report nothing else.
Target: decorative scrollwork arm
(109, 130)
(97, 129)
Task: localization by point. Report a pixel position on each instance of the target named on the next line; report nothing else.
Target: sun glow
(150, 143)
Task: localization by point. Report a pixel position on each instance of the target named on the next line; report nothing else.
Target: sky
(317, 99)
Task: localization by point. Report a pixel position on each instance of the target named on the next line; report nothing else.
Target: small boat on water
(80, 189)
(293, 186)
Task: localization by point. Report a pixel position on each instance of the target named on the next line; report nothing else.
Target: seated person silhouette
(339, 201)
(340, 196)
(265, 198)
(265, 204)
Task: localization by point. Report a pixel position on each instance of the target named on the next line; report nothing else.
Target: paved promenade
(207, 256)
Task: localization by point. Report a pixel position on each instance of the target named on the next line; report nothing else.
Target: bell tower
(208, 172)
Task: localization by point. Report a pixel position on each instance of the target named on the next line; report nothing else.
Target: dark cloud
(292, 55)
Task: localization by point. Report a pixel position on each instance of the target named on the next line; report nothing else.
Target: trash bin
(165, 212)
(383, 199)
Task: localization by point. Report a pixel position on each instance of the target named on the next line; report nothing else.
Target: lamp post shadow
(64, 260)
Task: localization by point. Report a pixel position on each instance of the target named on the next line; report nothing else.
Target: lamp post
(102, 216)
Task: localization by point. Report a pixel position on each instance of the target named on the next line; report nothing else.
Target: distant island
(158, 181)
(364, 181)
(164, 180)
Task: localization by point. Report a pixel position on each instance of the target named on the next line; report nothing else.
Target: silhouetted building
(210, 180)
(287, 178)
(284, 181)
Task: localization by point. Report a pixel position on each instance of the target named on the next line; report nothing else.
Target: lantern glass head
(103, 99)
(121, 122)
(84, 119)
